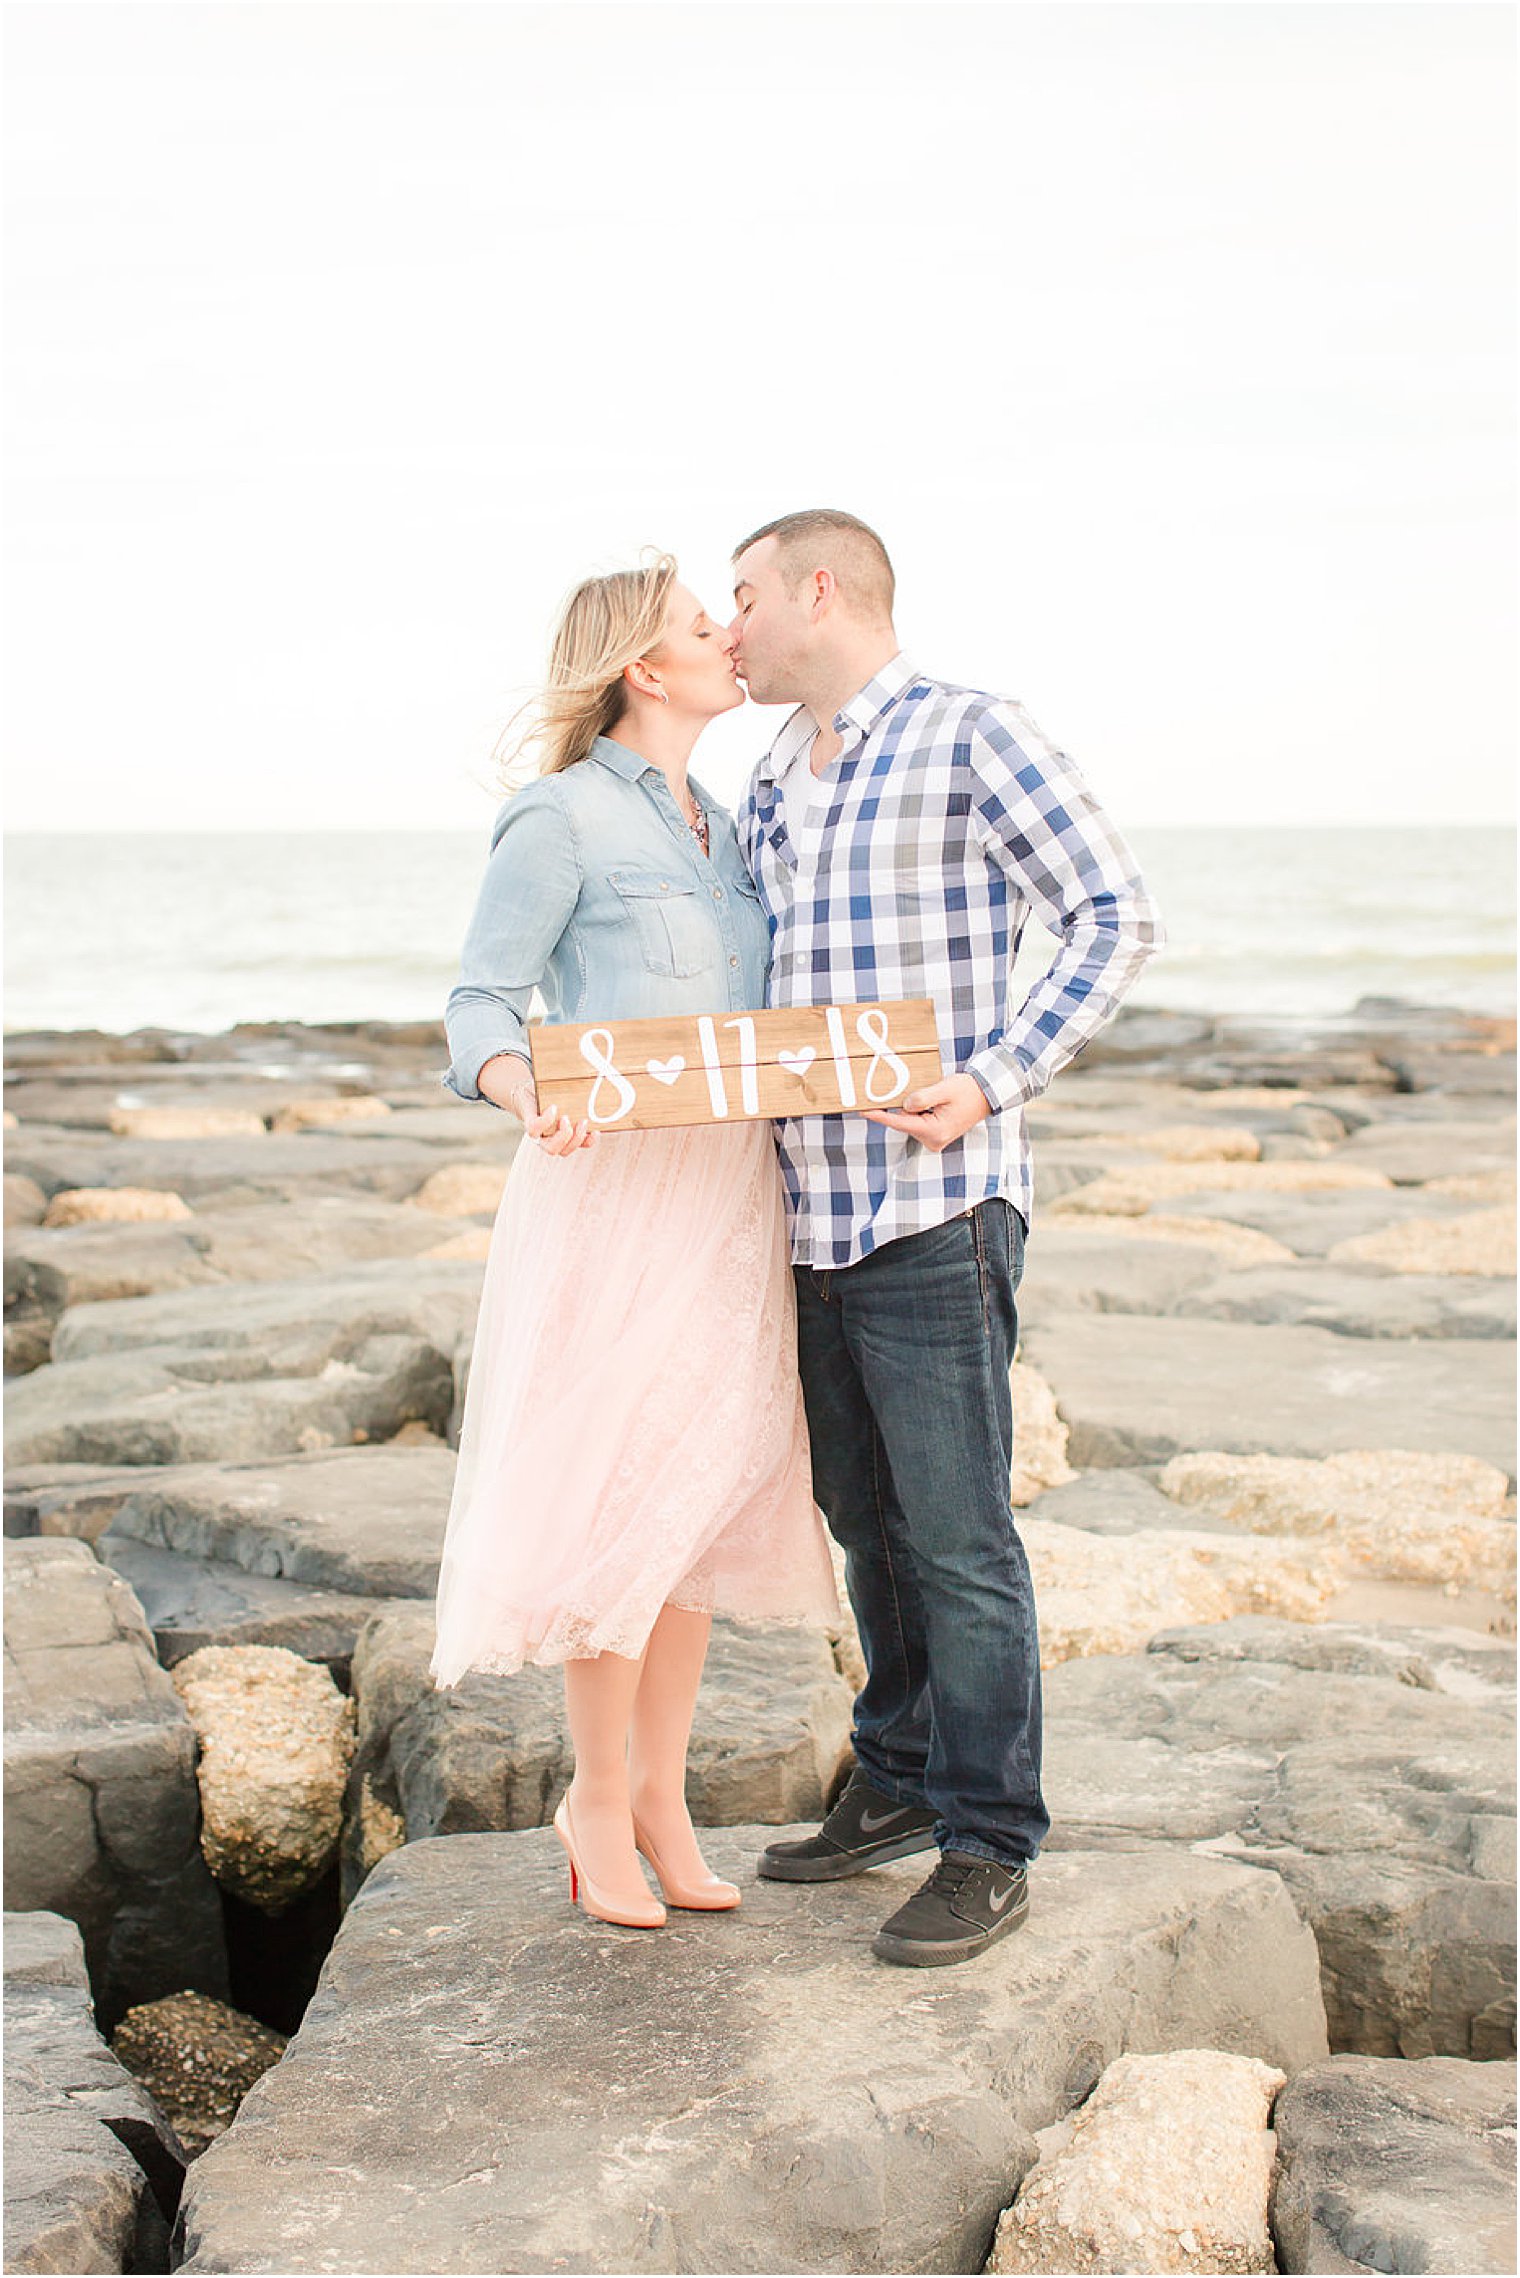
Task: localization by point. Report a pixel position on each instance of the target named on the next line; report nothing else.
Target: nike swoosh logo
(869, 1825)
(997, 1905)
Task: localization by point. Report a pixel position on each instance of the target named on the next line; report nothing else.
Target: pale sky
(1170, 347)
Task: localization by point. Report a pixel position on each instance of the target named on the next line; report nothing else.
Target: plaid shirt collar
(854, 720)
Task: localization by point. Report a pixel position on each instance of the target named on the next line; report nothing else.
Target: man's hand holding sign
(936, 1114)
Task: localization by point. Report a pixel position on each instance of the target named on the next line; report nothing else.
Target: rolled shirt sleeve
(1039, 823)
(530, 888)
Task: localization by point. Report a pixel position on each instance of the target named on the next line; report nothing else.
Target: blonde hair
(605, 625)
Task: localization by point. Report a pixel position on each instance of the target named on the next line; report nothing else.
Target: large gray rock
(312, 1317)
(276, 1168)
(1383, 1042)
(76, 1499)
(1062, 1169)
(1371, 1768)
(1391, 2166)
(350, 1051)
(92, 2169)
(453, 1126)
(28, 1343)
(102, 1812)
(1356, 1303)
(1412, 1110)
(361, 1051)
(524, 2090)
(193, 1602)
(1142, 1395)
(770, 1736)
(1469, 1076)
(1068, 1267)
(1452, 1148)
(1120, 1503)
(366, 1522)
(1235, 1053)
(85, 1099)
(25, 1201)
(148, 1408)
(51, 1269)
(44, 1051)
(1123, 1108)
(1139, 1035)
(278, 1367)
(1311, 1224)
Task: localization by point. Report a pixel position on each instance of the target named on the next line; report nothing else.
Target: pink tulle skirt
(633, 1432)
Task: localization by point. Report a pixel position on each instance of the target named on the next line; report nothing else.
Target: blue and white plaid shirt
(950, 819)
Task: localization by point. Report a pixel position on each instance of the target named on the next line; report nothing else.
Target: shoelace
(950, 1876)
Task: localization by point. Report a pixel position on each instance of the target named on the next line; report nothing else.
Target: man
(900, 832)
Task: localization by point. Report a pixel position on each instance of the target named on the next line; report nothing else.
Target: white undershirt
(806, 799)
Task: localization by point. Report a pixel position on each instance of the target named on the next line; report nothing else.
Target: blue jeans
(904, 1361)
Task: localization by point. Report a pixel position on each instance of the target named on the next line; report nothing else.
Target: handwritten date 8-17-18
(640, 1075)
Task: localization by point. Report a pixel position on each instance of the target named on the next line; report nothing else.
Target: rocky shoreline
(291, 1982)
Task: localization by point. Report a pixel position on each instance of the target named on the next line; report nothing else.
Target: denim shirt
(597, 895)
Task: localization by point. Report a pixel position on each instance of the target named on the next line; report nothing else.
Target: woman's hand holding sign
(507, 1081)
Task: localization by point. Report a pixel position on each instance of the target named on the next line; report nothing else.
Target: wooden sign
(639, 1075)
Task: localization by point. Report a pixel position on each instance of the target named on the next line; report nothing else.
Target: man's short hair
(823, 537)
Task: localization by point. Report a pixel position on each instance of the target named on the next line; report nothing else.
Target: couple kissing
(692, 1341)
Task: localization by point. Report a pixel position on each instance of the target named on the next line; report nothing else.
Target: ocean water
(196, 931)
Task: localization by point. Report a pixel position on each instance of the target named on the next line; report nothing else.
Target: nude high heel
(709, 1897)
(634, 1915)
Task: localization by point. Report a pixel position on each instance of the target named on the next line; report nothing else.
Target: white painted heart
(665, 1071)
(797, 1063)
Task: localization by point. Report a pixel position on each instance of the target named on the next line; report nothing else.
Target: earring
(664, 699)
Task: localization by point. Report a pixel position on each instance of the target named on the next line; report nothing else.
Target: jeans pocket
(932, 1245)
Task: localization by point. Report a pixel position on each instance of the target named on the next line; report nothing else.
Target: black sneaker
(864, 1829)
(966, 1905)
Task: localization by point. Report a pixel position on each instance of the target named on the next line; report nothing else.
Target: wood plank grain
(643, 1075)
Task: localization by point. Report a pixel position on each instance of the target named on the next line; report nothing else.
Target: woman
(633, 1453)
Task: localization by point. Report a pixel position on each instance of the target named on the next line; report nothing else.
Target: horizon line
(462, 830)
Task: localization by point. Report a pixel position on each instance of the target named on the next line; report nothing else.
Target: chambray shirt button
(717, 893)
(733, 961)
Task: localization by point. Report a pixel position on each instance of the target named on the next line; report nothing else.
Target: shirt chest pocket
(674, 932)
